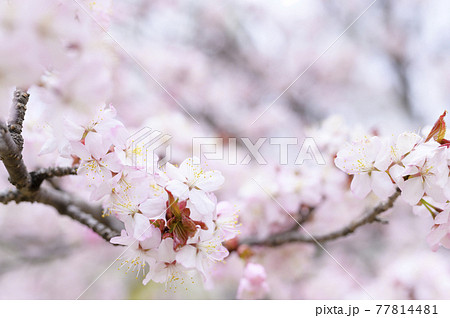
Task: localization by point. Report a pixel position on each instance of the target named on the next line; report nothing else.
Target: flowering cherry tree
(246, 230)
(172, 222)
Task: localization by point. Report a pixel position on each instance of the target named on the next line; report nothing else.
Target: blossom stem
(429, 207)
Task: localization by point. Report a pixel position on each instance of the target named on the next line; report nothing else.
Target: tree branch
(11, 155)
(17, 116)
(38, 176)
(296, 236)
(78, 210)
(10, 195)
(28, 185)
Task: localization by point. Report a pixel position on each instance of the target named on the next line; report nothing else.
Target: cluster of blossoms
(417, 165)
(173, 225)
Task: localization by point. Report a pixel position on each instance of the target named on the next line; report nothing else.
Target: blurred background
(209, 68)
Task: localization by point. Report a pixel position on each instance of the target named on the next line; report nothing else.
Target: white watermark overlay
(289, 149)
(151, 149)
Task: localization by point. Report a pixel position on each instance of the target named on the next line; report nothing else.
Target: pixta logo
(289, 149)
(149, 149)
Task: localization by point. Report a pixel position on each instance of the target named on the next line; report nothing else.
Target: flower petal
(178, 189)
(412, 190)
(382, 185)
(360, 185)
(153, 208)
(210, 181)
(187, 256)
(201, 202)
(95, 145)
(141, 227)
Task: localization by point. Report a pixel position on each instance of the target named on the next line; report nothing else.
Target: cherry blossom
(172, 220)
(253, 284)
(440, 233)
(167, 270)
(404, 144)
(97, 163)
(418, 166)
(226, 222)
(202, 252)
(140, 252)
(426, 171)
(105, 123)
(367, 160)
(191, 181)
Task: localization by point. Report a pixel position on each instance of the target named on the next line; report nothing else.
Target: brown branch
(78, 210)
(28, 185)
(304, 215)
(10, 195)
(11, 155)
(17, 116)
(298, 237)
(38, 176)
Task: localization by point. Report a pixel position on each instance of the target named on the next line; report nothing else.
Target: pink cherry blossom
(105, 123)
(140, 252)
(201, 253)
(191, 181)
(97, 163)
(368, 160)
(426, 172)
(226, 221)
(440, 233)
(167, 270)
(176, 235)
(136, 211)
(253, 283)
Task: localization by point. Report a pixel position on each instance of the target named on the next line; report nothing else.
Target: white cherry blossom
(426, 172)
(97, 163)
(367, 160)
(440, 233)
(192, 181)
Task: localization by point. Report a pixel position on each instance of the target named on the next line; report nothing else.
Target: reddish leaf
(438, 130)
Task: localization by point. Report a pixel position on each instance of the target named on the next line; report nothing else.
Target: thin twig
(10, 195)
(66, 205)
(297, 236)
(38, 176)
